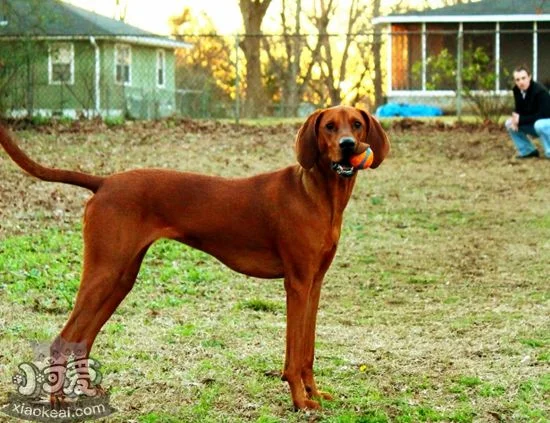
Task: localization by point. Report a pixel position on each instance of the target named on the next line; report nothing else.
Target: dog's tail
(80, 179)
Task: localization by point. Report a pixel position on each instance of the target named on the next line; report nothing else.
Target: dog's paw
(307, 405)
(323, 395)
(314, 393)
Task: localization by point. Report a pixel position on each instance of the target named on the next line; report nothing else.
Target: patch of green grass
(534, 343)
(376, 201)
(256, 304)
(532, 398)
(268, 419)
(464, 414)
(184, 330)
(469, 381)
(114, 121)
(114, 328)
(420, 413)
(158, 418)
(40, 120)
(213, 343)
(541, 223)
(42, 271)
(170, 261)
(491, 390)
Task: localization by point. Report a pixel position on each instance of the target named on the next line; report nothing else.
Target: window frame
(52, 63)
(123, 81)
(160, 68)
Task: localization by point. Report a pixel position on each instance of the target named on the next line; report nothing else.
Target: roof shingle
(483, 8)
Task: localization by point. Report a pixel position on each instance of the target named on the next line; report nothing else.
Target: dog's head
(329, 137)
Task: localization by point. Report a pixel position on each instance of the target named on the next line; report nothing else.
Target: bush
(112, 121)
(478, 82)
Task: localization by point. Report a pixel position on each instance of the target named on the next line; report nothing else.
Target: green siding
(77, 96)
(24, 84)
(141, 98)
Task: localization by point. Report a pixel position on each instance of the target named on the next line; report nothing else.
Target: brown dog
(283, 224)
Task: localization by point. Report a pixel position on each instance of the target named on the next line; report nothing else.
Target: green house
(58, 59)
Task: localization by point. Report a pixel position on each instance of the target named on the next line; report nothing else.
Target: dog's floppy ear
(307, 148)
(376, 138)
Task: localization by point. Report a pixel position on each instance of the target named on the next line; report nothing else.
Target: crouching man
(531, 115)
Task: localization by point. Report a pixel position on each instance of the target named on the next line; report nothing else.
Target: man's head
(522, 77)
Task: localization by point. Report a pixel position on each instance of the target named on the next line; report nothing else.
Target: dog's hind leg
(112, 259)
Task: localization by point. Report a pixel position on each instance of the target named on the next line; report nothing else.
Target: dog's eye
(330, 126)
(357, 124)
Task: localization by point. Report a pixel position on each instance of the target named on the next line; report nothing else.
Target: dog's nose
(347, 143)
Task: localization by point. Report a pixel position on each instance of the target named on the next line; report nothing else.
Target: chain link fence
(222, 77)
(86, 77)
(130, 78)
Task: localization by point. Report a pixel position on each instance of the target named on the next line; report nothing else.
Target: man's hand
(513, 122)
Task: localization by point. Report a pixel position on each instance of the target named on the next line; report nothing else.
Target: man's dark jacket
(535, 106)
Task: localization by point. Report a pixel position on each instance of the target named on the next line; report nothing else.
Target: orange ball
(362, 160)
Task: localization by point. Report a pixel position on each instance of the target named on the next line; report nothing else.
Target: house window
(161, 68)
(123, 64)
(61, 64)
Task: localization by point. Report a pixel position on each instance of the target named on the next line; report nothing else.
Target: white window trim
(129, 47)
(50, 66)
(162, 55)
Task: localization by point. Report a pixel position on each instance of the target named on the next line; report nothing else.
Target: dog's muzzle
(344, 167)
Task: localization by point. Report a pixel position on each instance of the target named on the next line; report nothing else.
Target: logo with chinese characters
(58, 385)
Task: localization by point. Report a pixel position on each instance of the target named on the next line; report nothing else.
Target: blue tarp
(408, 110)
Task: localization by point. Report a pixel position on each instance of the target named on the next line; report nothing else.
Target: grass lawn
(436, 307)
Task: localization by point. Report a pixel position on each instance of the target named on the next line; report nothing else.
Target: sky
(153, 15)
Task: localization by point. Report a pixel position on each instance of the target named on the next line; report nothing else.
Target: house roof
(56, 19)
(478, 11)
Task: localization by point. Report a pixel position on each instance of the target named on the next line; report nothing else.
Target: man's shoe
(532, 154)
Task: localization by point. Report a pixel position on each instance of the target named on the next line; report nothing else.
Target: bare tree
(205, 73)
(324, 69)
(288, 70)
(253, 12)
(293, 47)
(336, 82)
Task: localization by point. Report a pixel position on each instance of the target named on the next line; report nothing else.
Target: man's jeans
(541, 129)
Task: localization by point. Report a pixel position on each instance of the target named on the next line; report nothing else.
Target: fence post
(29, 95)
(237, 82)
(459, 67)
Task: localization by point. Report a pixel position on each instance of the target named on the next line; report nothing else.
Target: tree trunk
(293, 91)
(253, 12)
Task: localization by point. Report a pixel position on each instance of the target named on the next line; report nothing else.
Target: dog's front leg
(309, 342)
(297, 297)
